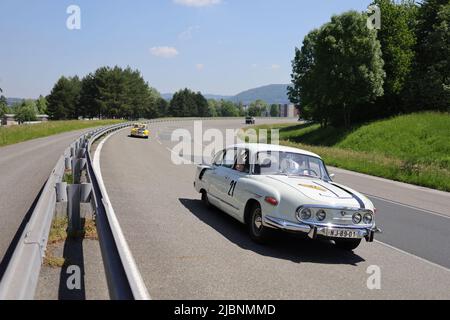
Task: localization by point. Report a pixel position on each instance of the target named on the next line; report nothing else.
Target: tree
(274, 110)
(3, 106)
(202, 105)
(397, 38)
(228, 109)
(257, 107)
(430, 85)
(339, 70)
(41, 105)
(162, 107)
(26, 112)
(63, 99)
(305, 91)
(117, 93)
(240, 107)
(186, 103)
(213, 106)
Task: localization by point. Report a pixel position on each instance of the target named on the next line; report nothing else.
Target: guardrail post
(61, 200)
(86, 192)
(61, 191)
(68, 163)
(73, 192)
(77, 166)
(81, 153)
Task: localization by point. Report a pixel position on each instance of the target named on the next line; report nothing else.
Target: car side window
(242, 161)
(229, 159)
(218, 159)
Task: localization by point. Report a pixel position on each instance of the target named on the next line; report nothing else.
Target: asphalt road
(24, 169)
(185, 251)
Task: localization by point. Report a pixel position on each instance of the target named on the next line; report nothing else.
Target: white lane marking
(409, 206)
(124, 250)
(186, 161)
(413, 256)
(397, 183)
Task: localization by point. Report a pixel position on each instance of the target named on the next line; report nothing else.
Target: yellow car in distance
(140, 130)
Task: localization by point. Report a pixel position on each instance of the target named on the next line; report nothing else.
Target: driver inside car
(290, 166)
(243, 162)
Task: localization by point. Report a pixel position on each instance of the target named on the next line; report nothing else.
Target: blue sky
(214, 46)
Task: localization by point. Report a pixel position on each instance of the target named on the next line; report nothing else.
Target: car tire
(258, 232)
(205, 199)
(348, 245)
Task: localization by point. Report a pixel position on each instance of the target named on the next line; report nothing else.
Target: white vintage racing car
(275, 187)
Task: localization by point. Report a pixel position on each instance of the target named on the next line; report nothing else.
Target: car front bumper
(139, 135)
(314, 231)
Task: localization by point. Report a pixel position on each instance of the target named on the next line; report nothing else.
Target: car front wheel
(205, 199)
(348, 245)
(258, 232)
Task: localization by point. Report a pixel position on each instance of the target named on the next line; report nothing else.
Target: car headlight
(368, 218)
(304, 214)
(357, 218)
(321, 215)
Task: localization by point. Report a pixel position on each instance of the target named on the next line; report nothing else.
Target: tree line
(345, 72)
(123, 93)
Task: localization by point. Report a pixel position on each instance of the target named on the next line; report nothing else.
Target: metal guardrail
(20, 279)
(21, 276)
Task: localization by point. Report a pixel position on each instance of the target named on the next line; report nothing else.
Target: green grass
(59, 234)
(68, 177)
(15, 134)
(412, 148)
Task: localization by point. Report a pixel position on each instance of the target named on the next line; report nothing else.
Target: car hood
(324, 192)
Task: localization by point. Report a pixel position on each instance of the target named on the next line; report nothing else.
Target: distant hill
(274, 93)
(12, 101)
(169, 96)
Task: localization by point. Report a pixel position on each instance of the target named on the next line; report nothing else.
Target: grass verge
(413, 149)
(59, 234)
(15, 134)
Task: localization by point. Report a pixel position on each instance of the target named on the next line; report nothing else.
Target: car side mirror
(332, 176)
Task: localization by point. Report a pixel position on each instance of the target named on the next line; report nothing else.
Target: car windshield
(290, 164)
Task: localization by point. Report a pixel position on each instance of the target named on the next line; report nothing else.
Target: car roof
(261, 147)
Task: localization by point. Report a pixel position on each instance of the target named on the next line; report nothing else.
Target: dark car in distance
(250, 120)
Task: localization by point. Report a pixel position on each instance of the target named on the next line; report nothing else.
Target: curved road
(185, 251)
(24, 169)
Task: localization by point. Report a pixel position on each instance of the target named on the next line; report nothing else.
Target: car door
(214, 182)
(232, 192)
(223, 174)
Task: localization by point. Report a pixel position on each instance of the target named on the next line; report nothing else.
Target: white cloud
(197, 3)
(188, 33)
(164, 52)
(275, 67)
(200, 66)
(254, 66)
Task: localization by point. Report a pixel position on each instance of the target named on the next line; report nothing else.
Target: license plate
(342, 233)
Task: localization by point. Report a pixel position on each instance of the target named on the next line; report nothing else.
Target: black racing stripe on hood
(325, 187)
(361, 203)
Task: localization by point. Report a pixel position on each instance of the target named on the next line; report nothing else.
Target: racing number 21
(232, 188)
